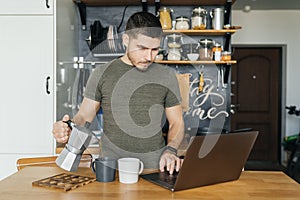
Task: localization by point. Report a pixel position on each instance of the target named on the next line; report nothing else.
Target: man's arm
(176, 126)
(175, 135)
(87, 112)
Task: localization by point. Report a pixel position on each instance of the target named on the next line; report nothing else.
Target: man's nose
(148, 54)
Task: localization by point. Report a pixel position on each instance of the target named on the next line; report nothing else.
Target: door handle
(233, 108)
(47, 4)
(47, 85)
(234, 105)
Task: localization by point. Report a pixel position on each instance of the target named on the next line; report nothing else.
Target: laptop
(209, 159)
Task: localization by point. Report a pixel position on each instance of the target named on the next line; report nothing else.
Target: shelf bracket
(82, 12)
(157, 7)
(145, 5)
(227, 42)
(227, 14)
(226, 73)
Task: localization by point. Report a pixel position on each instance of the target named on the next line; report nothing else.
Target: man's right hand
(61, 131)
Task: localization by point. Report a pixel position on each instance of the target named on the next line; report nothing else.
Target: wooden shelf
(162, 2)
(202, 32)
(198, 62)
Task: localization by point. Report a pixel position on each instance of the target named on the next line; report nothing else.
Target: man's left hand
(170, 161)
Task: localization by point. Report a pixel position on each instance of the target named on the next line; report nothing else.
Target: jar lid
(174, 35)
(199, 10)
(218, 9)
(182, 18)
(165, 9)
(226, 53)
(206, 41)
(217, 45)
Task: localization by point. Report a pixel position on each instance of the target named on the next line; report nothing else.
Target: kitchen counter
(251, 185)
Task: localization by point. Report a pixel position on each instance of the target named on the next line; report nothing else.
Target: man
(134, 94)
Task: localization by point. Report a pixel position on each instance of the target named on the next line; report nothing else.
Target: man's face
(141, 51)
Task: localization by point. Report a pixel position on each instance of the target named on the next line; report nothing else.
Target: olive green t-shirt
(133, 103)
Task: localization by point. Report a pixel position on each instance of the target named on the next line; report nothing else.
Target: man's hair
(144, 23)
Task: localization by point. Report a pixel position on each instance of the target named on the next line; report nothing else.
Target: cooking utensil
(218, 77)
(217, 16)
(112, 31)
(79, 140)
(201, 82)
(221, 77)
(97, 34)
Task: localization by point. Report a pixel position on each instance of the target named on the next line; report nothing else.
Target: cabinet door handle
(47, 4)
(234, 105)
(47, 85)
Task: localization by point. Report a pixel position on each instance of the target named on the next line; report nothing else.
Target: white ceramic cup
(129, 170)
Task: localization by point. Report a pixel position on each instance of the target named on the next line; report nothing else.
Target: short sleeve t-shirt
(133, 104)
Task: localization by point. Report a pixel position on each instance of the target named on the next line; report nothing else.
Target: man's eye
(141, 47)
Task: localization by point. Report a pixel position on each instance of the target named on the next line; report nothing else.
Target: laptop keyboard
(170, 179)
(162, 178)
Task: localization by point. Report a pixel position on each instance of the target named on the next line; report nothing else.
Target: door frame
(282, 92)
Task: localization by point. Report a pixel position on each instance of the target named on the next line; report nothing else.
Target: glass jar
(165, 18)
(199, 18)
(205, 51)
(174, 40)
(182, 23)
(174, 54)
(217, 52)
(226, 56)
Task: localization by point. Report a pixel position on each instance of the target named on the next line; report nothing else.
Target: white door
(26, 52)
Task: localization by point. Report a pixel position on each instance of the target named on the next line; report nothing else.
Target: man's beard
(138, 68)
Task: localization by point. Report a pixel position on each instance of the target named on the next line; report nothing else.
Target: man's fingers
(65, 118)
(171, 162)
(178, 164)
(171, 166)
(162, 164)
(61, 130)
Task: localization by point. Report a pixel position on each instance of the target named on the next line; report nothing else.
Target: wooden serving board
(64, 181)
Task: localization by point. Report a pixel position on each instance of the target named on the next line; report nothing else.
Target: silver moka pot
(79, 140)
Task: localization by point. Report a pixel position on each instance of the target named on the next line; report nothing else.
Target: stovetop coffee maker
(79, 140)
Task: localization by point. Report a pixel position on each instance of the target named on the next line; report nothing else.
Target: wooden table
(251, 185)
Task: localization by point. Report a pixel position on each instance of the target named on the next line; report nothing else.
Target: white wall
(276, 27)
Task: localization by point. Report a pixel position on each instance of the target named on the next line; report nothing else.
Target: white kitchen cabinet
(27, 64)
(36, 7)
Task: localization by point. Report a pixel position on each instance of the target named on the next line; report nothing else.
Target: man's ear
(125, 38)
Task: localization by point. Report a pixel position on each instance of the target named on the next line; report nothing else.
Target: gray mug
(105, 169)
